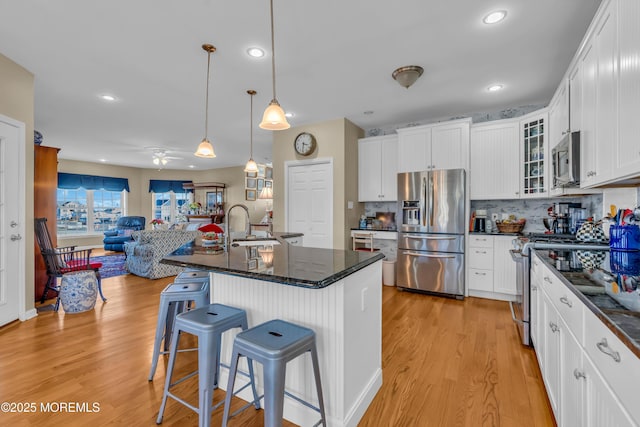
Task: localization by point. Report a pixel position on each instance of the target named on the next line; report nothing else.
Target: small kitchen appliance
(480, 222)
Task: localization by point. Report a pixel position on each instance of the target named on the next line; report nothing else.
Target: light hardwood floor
(445, 363)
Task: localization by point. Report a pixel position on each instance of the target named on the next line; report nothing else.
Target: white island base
(347, 319)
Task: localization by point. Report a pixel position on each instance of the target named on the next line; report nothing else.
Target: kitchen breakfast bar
(336, 293)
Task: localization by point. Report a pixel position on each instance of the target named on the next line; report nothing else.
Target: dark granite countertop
(493, 233)
(392, 230)
(292, 265)
(587, 285)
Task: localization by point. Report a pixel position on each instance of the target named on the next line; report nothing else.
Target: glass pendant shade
(205, 149)
(251, 166)
(274, 118)
(266, 193)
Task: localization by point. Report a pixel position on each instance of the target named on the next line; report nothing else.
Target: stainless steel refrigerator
(431, 206)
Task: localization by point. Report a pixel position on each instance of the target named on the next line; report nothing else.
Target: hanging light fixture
(273, 117)
(205, 149)
(407, 75)
(251, 164)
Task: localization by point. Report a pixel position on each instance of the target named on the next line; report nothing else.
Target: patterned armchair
(148, 247)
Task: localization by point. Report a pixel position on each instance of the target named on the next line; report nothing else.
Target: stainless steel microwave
(566, 161)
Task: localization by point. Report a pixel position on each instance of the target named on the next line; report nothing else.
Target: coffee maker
(563, 221)
(480, 223)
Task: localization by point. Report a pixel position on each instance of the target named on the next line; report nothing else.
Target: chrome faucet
(227, 231)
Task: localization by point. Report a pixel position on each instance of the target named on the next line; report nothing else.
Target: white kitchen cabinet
(559, 114)
(295, 240)
(437, 146)
(494, 164)
(590, 375)
(492, 271)
(627, 150)
(378, 168)
(534, 155)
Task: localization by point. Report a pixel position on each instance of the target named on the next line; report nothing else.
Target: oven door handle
(513, 313)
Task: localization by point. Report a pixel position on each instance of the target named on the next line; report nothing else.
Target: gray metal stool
(174, 299)
(208, 324)
(192, 275)
(273, 344)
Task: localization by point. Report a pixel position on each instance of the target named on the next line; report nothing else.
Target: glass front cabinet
(535, 155)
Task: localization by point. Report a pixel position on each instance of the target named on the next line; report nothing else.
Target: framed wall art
(251, 183)
(250, 194)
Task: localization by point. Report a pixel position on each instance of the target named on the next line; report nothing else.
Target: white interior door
(309, 201)
(11, 220)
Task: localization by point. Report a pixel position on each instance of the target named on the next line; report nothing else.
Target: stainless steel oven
(521, 307)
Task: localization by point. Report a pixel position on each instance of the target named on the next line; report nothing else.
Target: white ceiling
(334, 58)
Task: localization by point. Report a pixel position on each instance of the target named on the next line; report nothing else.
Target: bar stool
(192, 275)
(174, 299)
(208, 324)
(273, 344)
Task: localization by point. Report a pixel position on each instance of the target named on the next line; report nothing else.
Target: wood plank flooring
(445, 363)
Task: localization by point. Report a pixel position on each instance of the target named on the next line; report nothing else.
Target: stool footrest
(304, 402)
(186, 377)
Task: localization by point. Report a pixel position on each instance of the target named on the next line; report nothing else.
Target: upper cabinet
(439, 146)
(627, 153)
(534, 154)
(559, 114)
(378, 168)
(495, 160)
(604, 96)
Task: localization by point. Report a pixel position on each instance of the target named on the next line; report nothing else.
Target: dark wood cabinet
(45, 186)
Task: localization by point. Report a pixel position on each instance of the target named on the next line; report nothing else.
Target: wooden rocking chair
(59, 261)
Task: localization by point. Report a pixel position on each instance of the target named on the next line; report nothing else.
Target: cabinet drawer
(479, 241)
(617, 364)
(481, 258)
(568, 305)
(481, 280)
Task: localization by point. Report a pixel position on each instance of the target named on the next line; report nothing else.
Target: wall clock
(304, 144)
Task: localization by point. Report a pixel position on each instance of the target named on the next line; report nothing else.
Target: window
(81, 211)
(170, 206)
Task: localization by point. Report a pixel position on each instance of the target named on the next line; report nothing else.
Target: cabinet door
(602, 407)
(533, 155)
(575, 98)
(588, 130)
(494, 169)
(414, 150)
(607, 95)
(449, 146)
(504, 268)
(369, 174)
(571, 379)
(627, 153)
(551, 352)
(559, 114)
(389, 168)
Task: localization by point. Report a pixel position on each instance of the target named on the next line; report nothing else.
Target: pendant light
(274, 118)
(251, 164)
(205, 149)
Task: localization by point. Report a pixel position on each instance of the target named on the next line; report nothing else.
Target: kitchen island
(336, 293)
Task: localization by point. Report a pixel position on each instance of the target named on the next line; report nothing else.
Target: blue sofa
(115, 239)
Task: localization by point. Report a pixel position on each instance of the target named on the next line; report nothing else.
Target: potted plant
(156, 222)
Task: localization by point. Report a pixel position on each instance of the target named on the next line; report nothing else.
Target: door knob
(15, 237)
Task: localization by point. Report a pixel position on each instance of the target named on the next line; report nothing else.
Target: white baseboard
(29, 314)
(355, 414)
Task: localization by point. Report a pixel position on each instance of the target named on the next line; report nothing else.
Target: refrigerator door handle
(423, 237)
(428, 255)
(431, 200)
(424, 197)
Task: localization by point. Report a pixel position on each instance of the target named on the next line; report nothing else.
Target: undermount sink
(255, 242)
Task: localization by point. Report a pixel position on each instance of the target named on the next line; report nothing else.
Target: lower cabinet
(590, 376)
(295, 241)
(492, 271)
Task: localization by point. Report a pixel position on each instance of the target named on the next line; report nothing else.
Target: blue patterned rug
(112, 265)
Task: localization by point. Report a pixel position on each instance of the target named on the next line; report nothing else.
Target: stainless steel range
(521, 308)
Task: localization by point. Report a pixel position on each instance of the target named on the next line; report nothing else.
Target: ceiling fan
(160, 157)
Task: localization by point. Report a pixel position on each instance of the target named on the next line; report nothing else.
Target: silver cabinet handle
(15, 237)
(546, 279)
(579, 374)
(564, 300)
(534, 288)
(479, 274)
(481, 252)
(603, 346)
(554, 327)
(13, 224)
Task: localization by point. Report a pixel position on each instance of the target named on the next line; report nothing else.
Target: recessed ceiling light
(255, 52)
(192, 166)
(108, 97)
(495, 17)
(103, 160)
(494, 88)
(289, 115)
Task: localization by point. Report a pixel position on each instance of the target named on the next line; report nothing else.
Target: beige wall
(16, 102)
(337, 139)
(139, 199)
